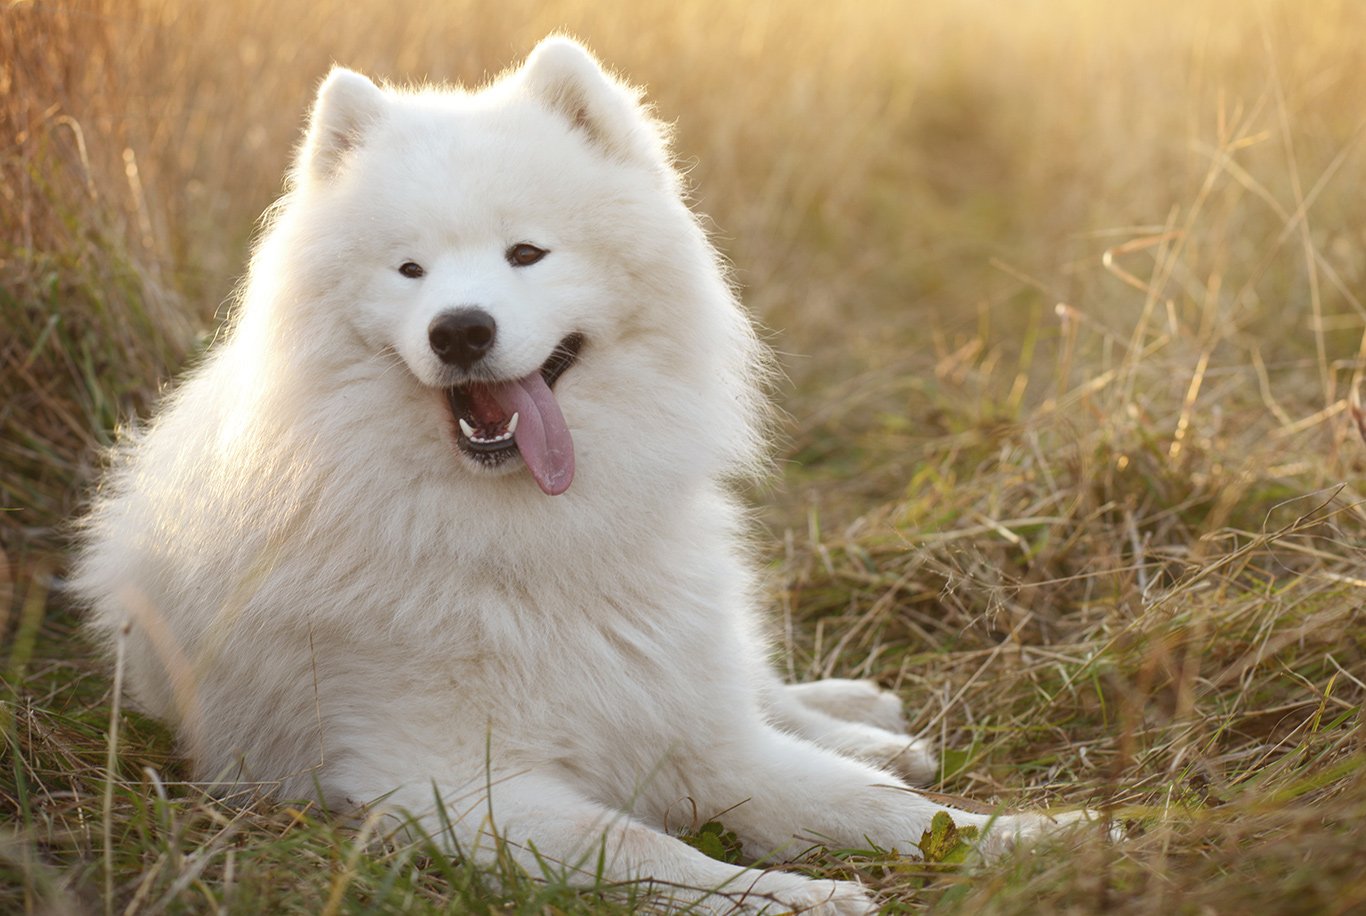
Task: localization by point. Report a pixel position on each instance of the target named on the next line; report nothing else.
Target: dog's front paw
(910, 758)
(780, 892)
(853, 701)
(1005, 833)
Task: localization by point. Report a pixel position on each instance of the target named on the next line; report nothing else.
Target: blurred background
(1068, 295)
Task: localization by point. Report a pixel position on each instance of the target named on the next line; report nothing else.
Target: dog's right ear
(347, 104)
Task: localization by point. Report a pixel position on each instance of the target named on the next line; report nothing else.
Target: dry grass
(1068, 294)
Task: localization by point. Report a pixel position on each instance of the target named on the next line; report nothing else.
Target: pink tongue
(541, 436)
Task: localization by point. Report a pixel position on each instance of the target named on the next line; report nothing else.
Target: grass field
(1069, 299)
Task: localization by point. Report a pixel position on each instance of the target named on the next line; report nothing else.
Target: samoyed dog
(443, 525)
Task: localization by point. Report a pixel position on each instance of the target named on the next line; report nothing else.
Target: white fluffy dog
(444, 521)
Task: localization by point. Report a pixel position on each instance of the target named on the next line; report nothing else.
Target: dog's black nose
(462, 337)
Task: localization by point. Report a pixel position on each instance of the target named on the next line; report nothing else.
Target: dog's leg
(855, 718)
(553, 831)
(782, 794)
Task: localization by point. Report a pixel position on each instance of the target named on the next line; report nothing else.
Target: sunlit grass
(1069, 297)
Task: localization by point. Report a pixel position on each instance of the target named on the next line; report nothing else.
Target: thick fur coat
(334, 587)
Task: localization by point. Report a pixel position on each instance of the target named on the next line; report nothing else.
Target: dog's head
(526, 252)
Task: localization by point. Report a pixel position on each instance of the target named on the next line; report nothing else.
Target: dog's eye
(411, 269)
(524, 254)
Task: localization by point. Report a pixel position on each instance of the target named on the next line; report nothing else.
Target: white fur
(325, 596)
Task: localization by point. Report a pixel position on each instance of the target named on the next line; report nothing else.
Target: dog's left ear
(564, 76)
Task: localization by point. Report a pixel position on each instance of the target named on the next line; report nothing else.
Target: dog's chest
(608, 665)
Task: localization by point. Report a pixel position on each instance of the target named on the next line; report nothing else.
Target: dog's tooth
(466, 429)
(512, 425)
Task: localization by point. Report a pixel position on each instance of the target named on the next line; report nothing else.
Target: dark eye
(411, 269)
(524, 254)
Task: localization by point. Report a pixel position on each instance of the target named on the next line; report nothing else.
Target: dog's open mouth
(494, 421)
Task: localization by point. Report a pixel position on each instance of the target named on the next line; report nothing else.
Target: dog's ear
(347, 104)
(564, 76)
